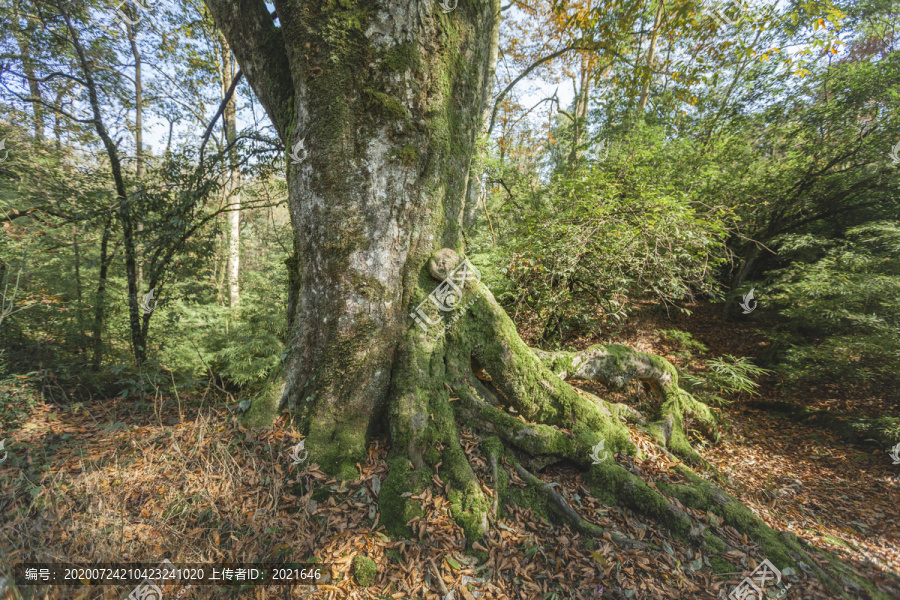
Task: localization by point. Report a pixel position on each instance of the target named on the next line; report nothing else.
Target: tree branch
(222, 105)
(521, 76)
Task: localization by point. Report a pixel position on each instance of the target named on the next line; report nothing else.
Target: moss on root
(394, 502)
(433, 388)
(264, 406)
(615, 365)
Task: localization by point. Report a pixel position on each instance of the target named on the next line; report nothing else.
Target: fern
(724, 375)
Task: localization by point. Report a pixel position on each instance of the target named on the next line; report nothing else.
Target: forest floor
(116, 480)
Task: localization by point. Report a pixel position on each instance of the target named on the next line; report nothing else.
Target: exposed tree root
(616, 365)
(479, 372)
(568, 514)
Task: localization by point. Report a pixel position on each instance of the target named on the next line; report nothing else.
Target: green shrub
(685, 342)
(725, 375)
(840, 299)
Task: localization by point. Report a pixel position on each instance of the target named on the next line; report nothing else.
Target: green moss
(704, 496)
(386, 105)
(612, 485)
(493, 446)
(534, 390)
(337, 441)
(528, 498)
(401, 58)
(409, 155)
(468, 504)
(397, 510)
(720, 565)
(364, 570)
(336, 436)
(264, 406)
(713, 543)
(368, 287)
(322, 494)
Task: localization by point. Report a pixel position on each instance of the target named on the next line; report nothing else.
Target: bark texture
(379, 106)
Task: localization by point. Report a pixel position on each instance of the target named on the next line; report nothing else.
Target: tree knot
(442, 263)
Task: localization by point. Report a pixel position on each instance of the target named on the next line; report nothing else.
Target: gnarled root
(616, 365)
(529, 418)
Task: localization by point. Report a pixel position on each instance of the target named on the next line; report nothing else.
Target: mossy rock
(364, 570)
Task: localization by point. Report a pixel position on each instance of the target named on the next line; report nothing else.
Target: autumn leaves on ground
(179, 478)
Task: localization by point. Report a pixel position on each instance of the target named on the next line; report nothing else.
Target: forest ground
(120, 480)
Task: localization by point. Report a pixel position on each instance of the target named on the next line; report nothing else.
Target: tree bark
(23, 38)
(233, 186)
(138, 137)
(580, 112)
(388, 106)
(100, 308)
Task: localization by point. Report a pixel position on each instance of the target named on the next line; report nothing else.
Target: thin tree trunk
(734, 82)
(78, 288)
(57, 128)
(24, 40)
(125, 211)
(233, 187)
(581, 109)
(473, 183)
(100, 308)
(651, 57)
(138, 136)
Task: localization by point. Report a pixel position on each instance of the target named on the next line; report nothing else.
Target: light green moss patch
(364, 570)
(397, 510)
(720, 565)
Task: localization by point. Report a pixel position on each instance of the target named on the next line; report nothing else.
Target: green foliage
(841, 302)
(685, 342)
(724, 375)
(17, 395)
(884, 429)
(730, 374)
(583, 248)
(248, 351)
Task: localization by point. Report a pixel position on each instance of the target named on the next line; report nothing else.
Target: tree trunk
(24, 40)
(580, 112)
(474, 182)
(125, 211)
(100, 308)
(379, 109)
(138, 138)
(79, 295)
(387, 106)
(232, 187)
(651, 56)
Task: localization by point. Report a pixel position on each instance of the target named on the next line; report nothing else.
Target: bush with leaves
(724, 375)
(604, 235)
(841, 302)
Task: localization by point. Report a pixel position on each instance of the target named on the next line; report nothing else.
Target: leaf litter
(92, 485)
